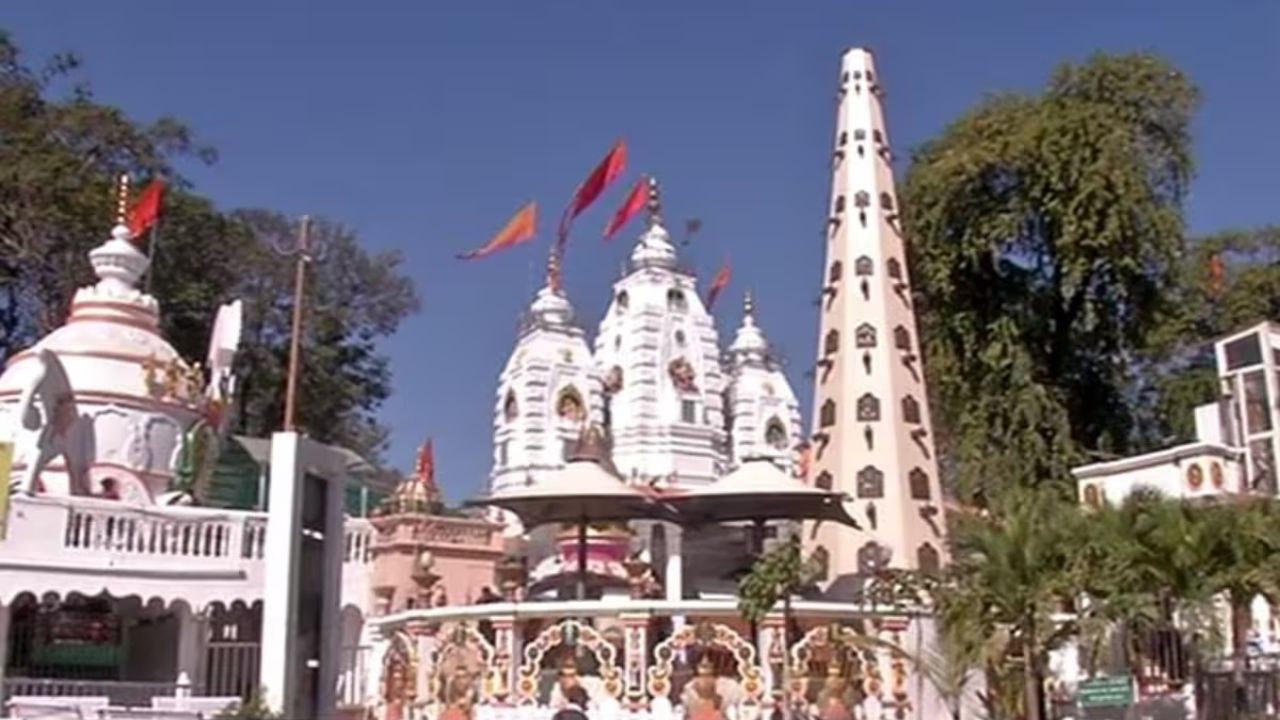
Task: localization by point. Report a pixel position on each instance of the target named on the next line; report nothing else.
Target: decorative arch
(831, 342)
(863, 266)
(836, 272)
(510, 407)
(827, 416)
(824, 481)
(865, 336)
(911, 410)
(871, 483)
(902, 338)
(775, 434)
(927, 559)
(676, 301)
(569, 633)
(872, 556)
(886, 201)
(569, 405)
(466, 652)
(399, 676)
(840, 658)
(868, 408)
(893, 268)
(862, 199)
(623, 301)
(706, 635)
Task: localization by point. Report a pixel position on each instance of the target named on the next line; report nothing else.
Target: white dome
(552, 307)
(654, 248)
(749, 344)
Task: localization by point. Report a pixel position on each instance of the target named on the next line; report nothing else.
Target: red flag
(520, 228)
(634, 203)
(146, 211)
(718, 284)
(425, 468)
(605, 173)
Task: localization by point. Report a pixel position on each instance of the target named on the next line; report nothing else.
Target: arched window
(823, 481)
(886, 201)
(862, 199)
(872, 557)
(902, 338)
(835, 273)
(870, 483)
(623, 300)
(831, 343)
(676, 301)
(775, 434)
(868, 408)
(893, 269)
(875, 134)
(910, 410)
(863, 266)
(569, 405)
(679, 336)
(927, 559)
(827, 417)
(866, 336)
(510, 407)
(918, 482)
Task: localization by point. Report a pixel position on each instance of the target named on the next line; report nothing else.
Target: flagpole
(299, 282)
(151, 253)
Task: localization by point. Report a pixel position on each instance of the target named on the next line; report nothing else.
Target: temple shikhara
(152, 560)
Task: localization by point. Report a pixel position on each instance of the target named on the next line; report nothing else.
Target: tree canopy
(63, 149)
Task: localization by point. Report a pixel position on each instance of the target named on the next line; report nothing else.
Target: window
(902, 338)
(875, 134)
(927, 559)
(566, 449)
(918, 482)
(676, 301)
(1256, 408)
(623, 301)
(823, 481)
(862, 199)
(827, 417)
(859, 135)
(910, 410)
(865, 337)
(510, 408)
(870, 483)
(886, 201)
(868, 408)
(893, 269)
(688, 412)
(839, 204)
(844, 139)
(863, 266)
(1244, 351)
(871, 557)
(835, 273)
(680, 338)
(831, 343)
(775, 434)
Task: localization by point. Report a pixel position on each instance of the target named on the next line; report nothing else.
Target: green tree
(1052, 221)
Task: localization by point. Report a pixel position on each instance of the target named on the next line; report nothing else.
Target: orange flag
(634, 203)
(520, 228)
(146, 211)
(718, 284)
(426, 465)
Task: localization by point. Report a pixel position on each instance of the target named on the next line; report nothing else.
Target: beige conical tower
(872, 437)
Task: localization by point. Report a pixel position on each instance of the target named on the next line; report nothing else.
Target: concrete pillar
(675, 571)
(277, 675)
(331, 613)
(192, 644)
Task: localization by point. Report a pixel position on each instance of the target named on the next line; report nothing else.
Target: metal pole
(295, 341)
(582, 559)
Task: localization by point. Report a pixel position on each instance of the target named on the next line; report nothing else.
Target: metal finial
(122, 199)
(655, 201)
(553, 270)
(748, 305)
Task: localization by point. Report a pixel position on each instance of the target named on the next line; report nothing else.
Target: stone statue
(703, 700)
(834, 697)
(51, 429)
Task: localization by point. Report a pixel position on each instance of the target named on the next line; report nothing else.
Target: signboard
(1103, 692)
(6, 464)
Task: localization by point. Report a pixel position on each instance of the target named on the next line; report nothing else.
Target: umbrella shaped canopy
(758, 491)
(588, 489)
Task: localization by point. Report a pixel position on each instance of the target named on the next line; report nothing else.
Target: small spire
(122, 199)
(748, 308)
(553, 269)
(655, 202)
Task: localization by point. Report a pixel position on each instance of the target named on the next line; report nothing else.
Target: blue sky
(425, 124)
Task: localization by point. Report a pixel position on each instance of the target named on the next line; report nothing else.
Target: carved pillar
(635, 658)
(425, 641)
(506, 651)
(898, 691)
(774, 653)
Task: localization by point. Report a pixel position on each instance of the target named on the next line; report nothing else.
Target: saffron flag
(6, 466)
(718, 284)
(426, 466)
(634, 203)
(520, 228)
(609, 169)
(146, 211)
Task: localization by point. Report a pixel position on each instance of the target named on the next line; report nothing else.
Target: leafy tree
(1050, 222)
(775, 577)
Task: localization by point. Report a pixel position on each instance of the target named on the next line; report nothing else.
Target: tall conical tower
(872, 436)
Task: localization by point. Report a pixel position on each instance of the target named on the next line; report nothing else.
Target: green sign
(1103, 692)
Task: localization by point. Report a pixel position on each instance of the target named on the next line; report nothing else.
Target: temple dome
(134, 394)
(749, 344)
(654, 249)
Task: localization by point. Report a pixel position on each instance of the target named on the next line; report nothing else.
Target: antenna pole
(295, 339)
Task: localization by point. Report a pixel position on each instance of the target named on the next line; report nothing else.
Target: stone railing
(85, 545)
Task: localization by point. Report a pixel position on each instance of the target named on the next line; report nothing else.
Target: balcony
(65, 545)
